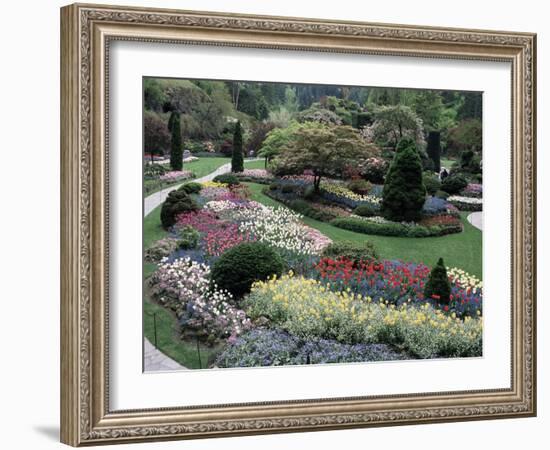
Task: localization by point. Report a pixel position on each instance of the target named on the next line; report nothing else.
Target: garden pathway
(153, 200)
(476, 219)
(155, 361)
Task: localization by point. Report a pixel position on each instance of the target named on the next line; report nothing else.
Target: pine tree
(176, 148)
(237, 159)
(434, 149)
(438, 286)
(404, 191)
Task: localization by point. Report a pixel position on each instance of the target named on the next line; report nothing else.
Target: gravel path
(476, 219)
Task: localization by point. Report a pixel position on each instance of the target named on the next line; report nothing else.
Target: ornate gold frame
(86, 31)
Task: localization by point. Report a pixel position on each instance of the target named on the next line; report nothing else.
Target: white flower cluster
(464, 279)
(462, 199)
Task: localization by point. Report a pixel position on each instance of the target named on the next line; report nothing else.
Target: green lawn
(462, 250)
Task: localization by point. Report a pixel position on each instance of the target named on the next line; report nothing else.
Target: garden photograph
(303, 224)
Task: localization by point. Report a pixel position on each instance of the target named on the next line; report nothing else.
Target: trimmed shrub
(454, 183)
(227, 178)
(288, 189)
(309, 193)
(352, 251)
(441, 194)
(404, 192)
(238, 268)
(237, 157)
(273, 187)
(190, 188)
(176, 203)
(366, 210)
(360, 225)
(438, 286)
(433, 149)
(176, 148)
(360, 187)
(431, 182)
(189, 237)
(307, 209)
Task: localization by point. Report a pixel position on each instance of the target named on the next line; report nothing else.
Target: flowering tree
(322, 149)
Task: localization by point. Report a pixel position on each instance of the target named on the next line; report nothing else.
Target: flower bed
(273, 347)
(176, 175)
(473, 190)
(466, 203)
(261, 176)
(339, 194)
(400, 282)
(184, 286)
(307, 309)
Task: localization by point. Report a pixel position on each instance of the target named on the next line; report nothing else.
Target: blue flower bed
(267, 347)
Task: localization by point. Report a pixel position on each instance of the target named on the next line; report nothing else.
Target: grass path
(461, 250)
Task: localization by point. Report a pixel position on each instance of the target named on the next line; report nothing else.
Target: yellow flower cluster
(342, 191)
(213, 184)
(308, 308)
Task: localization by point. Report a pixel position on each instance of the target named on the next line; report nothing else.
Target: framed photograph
(276, 224)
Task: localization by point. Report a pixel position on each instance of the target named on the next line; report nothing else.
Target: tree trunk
(316, 182)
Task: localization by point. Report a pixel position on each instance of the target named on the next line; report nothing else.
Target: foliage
(274, 347)
(438, 286)
(176, 149)
(466, 136)
(323, 150)
(320, 115)
(366, 210)
(238, 268)
(351, 251)
(237, 158)
(431, 182)
(188, 237)
(153, 171)
(160, 249)
(257, 136)
(454, 183)
(227, 179)
(394, 123)
(473, 190)
(176, 203)
(156, 135)
(190, 188)
(275, 140)
(404, 192)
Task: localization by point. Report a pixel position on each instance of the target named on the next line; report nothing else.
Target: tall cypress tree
(404, 191)
(434, 149)
(176, 148)
(237, 158)
(438, 286)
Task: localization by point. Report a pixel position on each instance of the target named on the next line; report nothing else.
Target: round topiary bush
(227, 178)
(352, 251)
(242, 265)
(191, 188)
(454, 183)
(189, 237)
(176, 203)
(366, 210)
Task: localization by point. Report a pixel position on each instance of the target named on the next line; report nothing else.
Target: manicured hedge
(393, 229)
(302, 206)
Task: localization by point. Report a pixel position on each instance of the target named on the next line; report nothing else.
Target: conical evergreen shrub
(176, 148)
(404, 191)
(237, 158)
(438, 286)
